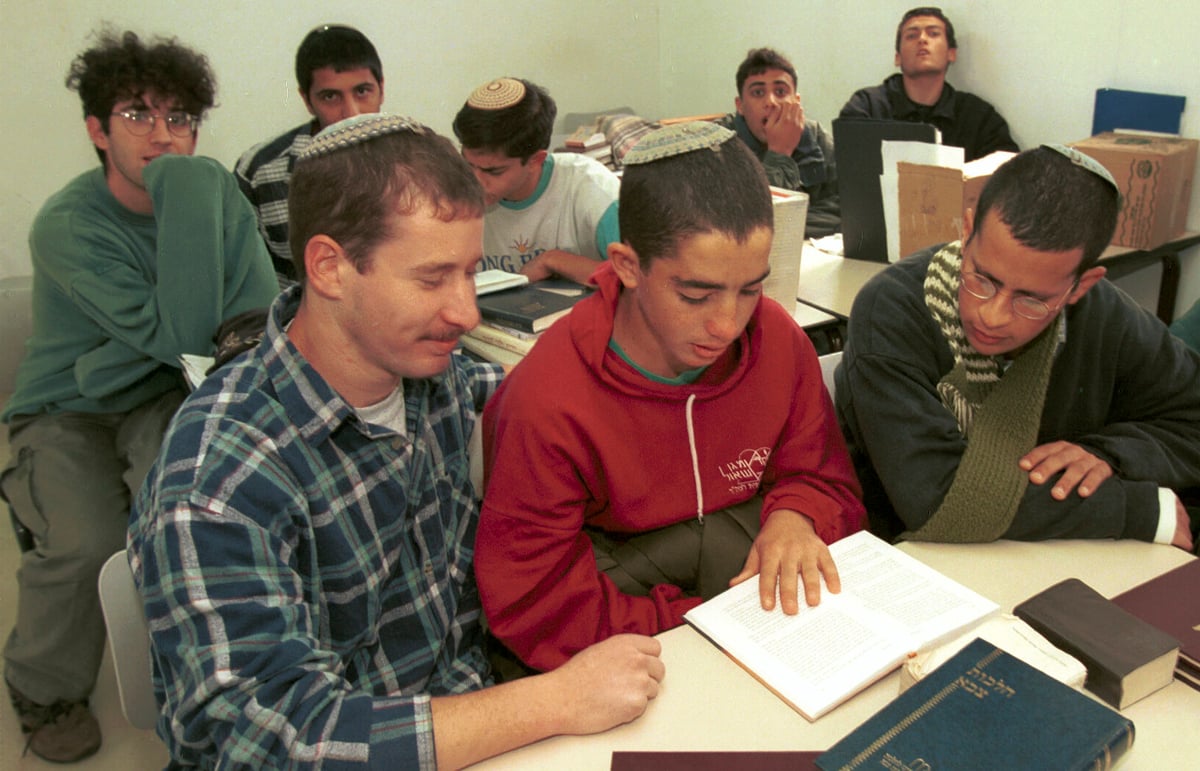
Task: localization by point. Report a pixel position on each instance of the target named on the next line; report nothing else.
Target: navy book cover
(986, 709)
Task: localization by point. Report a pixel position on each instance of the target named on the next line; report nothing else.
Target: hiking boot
(62, 732)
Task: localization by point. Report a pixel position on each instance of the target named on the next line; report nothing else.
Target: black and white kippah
(677, 139)
(360, 128)
(1084, 161)
(497, 94)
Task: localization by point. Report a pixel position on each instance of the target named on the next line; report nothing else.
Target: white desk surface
(830, 282)
(807, 316)
(708, 702)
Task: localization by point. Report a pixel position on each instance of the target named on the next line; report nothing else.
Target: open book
(890, 605)
(495, 280)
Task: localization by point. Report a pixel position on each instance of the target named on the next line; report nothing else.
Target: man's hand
(610, 683)
(1081, 471)
(1183, 528)
(786, 550)
(785, 127)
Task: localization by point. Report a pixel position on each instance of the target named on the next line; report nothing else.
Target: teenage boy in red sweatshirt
(670, 436)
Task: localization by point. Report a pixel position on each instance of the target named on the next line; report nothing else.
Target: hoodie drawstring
(695, 460)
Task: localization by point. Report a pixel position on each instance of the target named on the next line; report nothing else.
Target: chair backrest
(129, 641)
(475, 456)
(828, 364)
(1117, 109)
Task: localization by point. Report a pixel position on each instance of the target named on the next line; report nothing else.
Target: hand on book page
(890, 604)
(786, 552)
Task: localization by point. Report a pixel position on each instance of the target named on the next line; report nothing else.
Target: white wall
(1038, 62)
(433, 55)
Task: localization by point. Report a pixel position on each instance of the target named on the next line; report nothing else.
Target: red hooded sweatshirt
(575, 436)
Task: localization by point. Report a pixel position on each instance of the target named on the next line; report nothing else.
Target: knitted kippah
(677, 139)
(1085, 161)
(497, 94)
(356, 130)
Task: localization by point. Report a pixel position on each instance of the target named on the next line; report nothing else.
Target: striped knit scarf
(999, 411)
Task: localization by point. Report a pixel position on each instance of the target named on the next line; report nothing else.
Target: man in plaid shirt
(304, 543)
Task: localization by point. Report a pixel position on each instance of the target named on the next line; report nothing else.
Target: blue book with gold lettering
(986, 709)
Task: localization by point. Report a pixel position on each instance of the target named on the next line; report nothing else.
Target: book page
(926, 604)
(495, 280)
(813, 660)
(194, 368)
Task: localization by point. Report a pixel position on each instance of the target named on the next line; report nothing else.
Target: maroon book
(1171, 602)
(790, 760)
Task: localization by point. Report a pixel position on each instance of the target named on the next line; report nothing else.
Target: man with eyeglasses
(340, 76)
(998, 387)
(134, 262)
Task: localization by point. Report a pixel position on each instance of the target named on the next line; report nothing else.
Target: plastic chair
(828, 364)
(1117, 109)
(129, 641)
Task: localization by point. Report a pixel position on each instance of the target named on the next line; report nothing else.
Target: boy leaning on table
(303, 544)
(688, 442)
(549, 214)
(998, 387)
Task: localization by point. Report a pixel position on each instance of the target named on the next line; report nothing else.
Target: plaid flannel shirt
(307, 576)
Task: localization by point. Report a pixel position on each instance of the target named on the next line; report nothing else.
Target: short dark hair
(120, 67)
(723, 190)
(518, 131)
(1051, 204)
(758, 61)
(339, 47)
(351, 193)
(928, 10)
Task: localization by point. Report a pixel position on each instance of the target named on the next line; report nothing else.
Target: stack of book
(512, 319)
(587, 140)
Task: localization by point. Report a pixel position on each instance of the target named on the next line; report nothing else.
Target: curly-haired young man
(135, 262)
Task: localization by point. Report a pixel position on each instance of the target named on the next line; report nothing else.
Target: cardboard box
(1154, 173)
(934, 199)
(791, 213)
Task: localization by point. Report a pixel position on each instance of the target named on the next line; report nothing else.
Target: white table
(707, 702)
(830, 282)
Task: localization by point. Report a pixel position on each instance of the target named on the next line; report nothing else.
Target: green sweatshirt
(117, 296)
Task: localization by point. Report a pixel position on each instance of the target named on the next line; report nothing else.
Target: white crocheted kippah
(1085, 161)
(497, 94)
(360, 128)
(677, 139)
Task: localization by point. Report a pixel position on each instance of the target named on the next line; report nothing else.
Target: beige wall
(1038, 62)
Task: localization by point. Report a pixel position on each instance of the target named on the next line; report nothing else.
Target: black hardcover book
(1126, 658)
(985, 709)
(528, 308)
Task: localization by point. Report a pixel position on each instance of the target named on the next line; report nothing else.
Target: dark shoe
(62, 732)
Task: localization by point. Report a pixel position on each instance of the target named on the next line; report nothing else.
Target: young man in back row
(796, 152)
(688, 442)
(998, 387)
(340, 76)
(549, 214)
(919, 93)
(304, 544)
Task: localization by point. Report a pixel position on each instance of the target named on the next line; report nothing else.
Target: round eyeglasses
(982, 287)
(141, 122)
